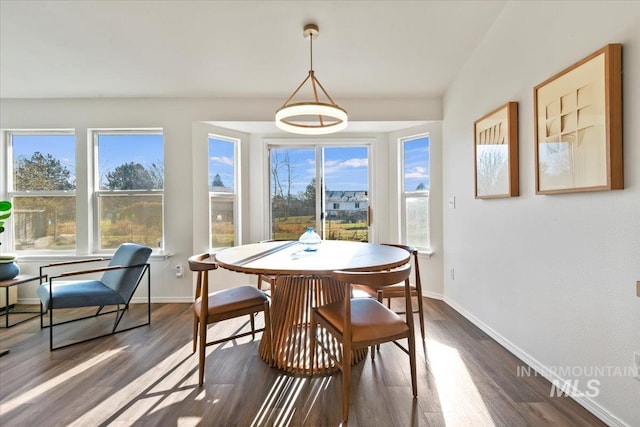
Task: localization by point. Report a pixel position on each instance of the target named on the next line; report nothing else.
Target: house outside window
(315, 183)
(415, 191)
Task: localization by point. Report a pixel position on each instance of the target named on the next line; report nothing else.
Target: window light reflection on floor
(455, 387)
(41, 389)
(147, 397)
(189, 421)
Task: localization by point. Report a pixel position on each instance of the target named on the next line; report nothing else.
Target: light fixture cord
(313, 78)
(311, 50)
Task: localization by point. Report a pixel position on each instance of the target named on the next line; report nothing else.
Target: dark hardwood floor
(148, 376)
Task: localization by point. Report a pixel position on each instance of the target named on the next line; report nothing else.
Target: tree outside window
(130, 194)
(43, 193)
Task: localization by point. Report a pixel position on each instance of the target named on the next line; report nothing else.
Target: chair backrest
(125, 281)
(202, 262)
(374, 279)
(416, 265)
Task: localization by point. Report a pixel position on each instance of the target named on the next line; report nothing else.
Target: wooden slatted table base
(291, 302)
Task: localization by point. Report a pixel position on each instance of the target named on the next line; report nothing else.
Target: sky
(113, 149)
(345, 168)
(416, 163)
(61, 147)
(221, 161)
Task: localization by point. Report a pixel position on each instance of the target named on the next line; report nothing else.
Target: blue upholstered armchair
(119, 282)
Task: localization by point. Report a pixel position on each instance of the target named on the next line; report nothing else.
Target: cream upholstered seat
(364, 322)
(222, 305)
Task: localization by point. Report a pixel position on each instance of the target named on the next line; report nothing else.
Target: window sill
(425, 253)
(51, 257)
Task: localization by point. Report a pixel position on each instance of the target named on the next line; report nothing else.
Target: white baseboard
(586, 402)
(433, 295)
(166, 300)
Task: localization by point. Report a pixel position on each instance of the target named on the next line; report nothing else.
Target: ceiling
(236, 49)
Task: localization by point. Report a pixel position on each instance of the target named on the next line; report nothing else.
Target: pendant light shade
(315, 117)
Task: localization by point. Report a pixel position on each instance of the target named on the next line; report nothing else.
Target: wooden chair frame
(202, 264)
(416, 290)
(344, 333)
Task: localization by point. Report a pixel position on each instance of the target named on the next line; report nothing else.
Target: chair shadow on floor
(242, 390)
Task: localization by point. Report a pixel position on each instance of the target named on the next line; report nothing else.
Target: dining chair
(223, 305)
(363, 322)
(397, 290)
(270, 280)
(119, 281)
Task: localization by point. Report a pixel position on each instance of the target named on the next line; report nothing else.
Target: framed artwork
(578, 126)
(496, 153)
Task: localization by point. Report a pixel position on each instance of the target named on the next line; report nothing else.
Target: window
(42, 185)
(222, 191)
(129, 183)
(357, 206)
(341, 169)
(415, 191)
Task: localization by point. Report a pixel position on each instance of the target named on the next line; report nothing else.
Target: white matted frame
(578, 126)
(496, 153)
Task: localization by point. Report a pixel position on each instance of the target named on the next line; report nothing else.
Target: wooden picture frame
(496, 153)
(578, 126)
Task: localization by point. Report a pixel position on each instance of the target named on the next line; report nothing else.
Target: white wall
(551, 277)
(185, 129)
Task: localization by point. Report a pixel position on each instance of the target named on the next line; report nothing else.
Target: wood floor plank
(148, 377)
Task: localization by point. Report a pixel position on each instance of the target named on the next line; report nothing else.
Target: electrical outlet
(452, 274)
(636, 364)
(452, 202)
(179, 271)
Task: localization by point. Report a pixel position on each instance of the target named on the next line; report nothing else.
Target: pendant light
(311, 117)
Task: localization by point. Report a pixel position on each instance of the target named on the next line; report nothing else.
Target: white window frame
(11, 192)
(318, 144)
(405, 195)
(235, 196)
(97, 192)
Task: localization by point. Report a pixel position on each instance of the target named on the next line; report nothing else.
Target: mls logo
(571, 388)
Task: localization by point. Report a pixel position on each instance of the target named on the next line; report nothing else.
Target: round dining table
(302, 280)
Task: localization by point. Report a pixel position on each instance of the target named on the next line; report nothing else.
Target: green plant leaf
(5, 205)
(5, 216)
